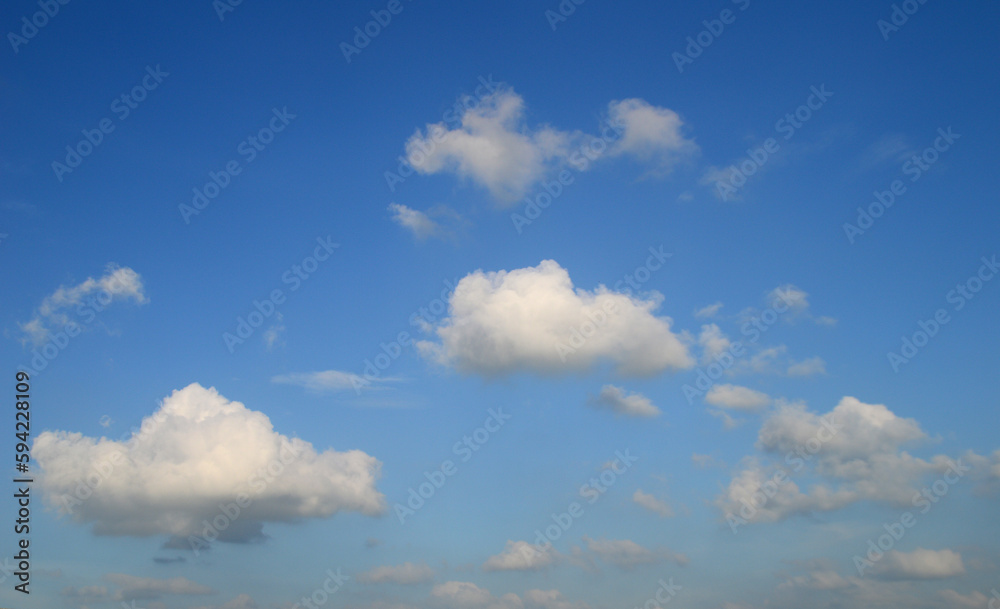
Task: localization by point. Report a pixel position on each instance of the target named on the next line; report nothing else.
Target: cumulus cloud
(88, 298)
(853, 453)
(200, 450)
(521, 556)
(919, 564)
(713, 342)
(651, 503)
(736, 397)
(627, 554)
(550, 599)
(532, 319)
(243, 601)
(650, 133)
(495, 148)
(623, 403)
(407, 573)
(467, 595)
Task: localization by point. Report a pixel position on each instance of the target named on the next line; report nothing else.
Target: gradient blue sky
(323, 177)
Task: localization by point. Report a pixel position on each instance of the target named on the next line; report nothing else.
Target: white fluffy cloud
(713, 342)
(736, 397)
(492, 147)
(467, 595)
(495, 148)
(200, 450)
(853, 453)
(521, 556)
(650, 133)
(627, 404)
(651, 503)
(627, 554)
(407, 573)
(919, 564)
(532, 319)
(91, 296)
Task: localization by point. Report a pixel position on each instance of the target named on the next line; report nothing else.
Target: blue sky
(698, 218)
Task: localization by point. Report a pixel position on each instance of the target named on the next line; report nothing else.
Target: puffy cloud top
(200, 450)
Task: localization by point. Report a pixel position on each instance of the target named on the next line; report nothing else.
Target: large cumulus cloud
(200, 450)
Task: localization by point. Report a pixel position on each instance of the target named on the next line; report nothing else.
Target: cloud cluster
(854, 453)
(200, 450)
(532, 319)
(467, 595)
(494, 146)
(521, 556)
